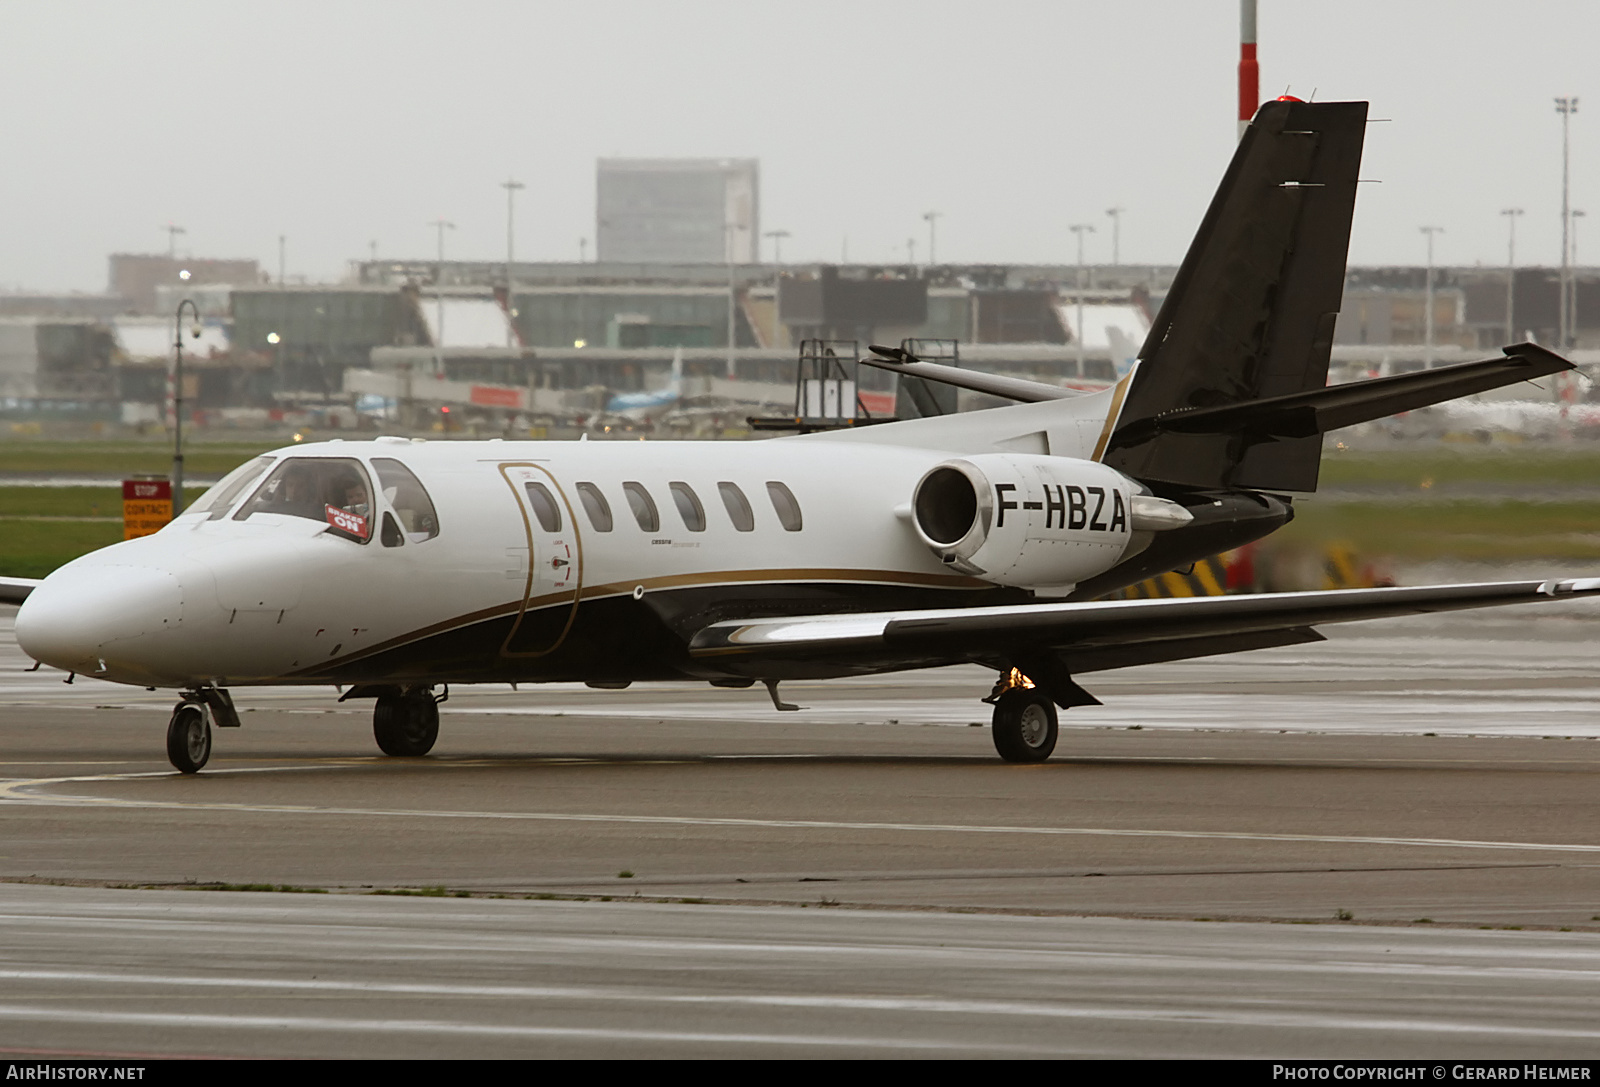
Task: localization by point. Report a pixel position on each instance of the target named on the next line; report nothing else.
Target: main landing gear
(406, 723)
(1024, 727)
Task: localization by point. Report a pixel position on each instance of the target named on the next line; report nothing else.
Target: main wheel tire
(1024, 725)
(406, 725)
(189, 738)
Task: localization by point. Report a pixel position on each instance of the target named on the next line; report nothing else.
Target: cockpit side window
(409, 498)
(333, 490)
(220, 499)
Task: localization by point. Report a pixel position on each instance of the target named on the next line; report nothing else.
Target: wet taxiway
(1437, 774)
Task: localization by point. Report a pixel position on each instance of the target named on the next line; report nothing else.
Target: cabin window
(544, 506)
(408, 498)
(689, 507)
(220, 499)
(643, 507)
(783, 501)
(333, 490)
(596, 506)
(738, 507)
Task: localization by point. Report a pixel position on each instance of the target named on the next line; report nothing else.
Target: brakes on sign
(344, 520)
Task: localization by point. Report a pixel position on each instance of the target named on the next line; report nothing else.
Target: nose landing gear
(189, 736)
(406, 723)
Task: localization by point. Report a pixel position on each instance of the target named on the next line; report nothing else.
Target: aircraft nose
(70, 619)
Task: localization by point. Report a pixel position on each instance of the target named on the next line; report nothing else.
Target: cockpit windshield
(333, 490)
(219, 499)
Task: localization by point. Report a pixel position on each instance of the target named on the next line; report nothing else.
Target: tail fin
(1251, 312)
(676, 384)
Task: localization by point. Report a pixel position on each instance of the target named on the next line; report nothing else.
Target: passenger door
(553, 562)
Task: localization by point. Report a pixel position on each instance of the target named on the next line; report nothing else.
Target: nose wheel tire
(406, 724)
(1024, 725)
(189, 737)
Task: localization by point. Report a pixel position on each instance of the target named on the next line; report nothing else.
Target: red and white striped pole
(1249, 73)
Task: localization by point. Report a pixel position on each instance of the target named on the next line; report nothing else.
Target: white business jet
(396, 567)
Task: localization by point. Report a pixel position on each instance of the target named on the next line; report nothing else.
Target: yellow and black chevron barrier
(1208, 577)
(1337, 567)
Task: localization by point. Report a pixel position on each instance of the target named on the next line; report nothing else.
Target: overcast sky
(340, 123)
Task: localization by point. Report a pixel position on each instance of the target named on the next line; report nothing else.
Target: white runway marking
(54, 1013)
(57, 1015)
(28, 792)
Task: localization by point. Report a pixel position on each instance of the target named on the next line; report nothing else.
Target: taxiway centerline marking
(21, 793)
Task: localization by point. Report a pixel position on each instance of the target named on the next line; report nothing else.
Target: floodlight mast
(511, 185)
(1566, 106)
(177, 402)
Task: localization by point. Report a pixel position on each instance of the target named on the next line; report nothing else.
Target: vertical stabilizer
(1251, 312)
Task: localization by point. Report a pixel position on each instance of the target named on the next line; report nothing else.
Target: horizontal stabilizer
(1012, 388)
(1316, 411)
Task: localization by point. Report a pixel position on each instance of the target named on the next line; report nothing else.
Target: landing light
(273, 337)
(298, 436)
(184, 275)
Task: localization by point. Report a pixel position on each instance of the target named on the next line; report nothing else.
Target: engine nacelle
(1032, 521)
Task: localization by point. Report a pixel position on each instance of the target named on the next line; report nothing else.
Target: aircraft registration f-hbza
(397, 567)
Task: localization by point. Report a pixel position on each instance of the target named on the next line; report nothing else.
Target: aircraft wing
(1088, 636)
(14, 590)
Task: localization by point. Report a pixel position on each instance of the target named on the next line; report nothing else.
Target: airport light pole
(283, 240)
(1566, 106)
(932, 218)
(177, 401)
(1430, 231)
(733, 296)
(1116, 235)
(172, 239)
(1080, 229)
(511, 185)
(1511, 271)
(1572, 306)
(438, 292)
(777, 237)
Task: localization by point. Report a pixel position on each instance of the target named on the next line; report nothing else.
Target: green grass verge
(34, 548)
(69, 501)
(120, 459)
(1432, 467)
(1485, 531)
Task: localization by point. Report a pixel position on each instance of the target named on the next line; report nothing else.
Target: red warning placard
(345, 521)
